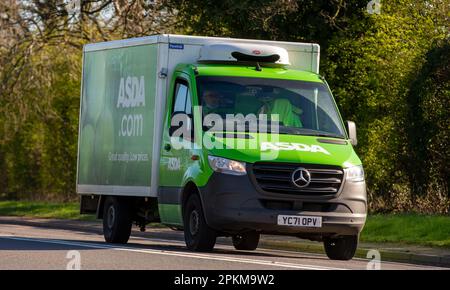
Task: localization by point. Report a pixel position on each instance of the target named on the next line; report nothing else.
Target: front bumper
(233, 204)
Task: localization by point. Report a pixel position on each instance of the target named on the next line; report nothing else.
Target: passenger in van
(288, 114)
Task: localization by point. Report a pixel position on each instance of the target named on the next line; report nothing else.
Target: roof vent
(243, 52)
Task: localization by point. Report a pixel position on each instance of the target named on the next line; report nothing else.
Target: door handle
(167, 147)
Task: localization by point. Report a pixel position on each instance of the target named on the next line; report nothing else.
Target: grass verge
(426, 230)
(39, 209)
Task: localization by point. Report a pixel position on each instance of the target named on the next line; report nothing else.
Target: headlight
(355, 173)
(227, 166)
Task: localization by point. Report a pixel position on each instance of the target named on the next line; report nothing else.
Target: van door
(176, 150)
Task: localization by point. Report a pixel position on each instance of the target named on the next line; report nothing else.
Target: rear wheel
(197, 234)
(247, 241)
(117, 220)
(341, 248)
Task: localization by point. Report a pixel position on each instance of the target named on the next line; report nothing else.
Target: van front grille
(277, 178)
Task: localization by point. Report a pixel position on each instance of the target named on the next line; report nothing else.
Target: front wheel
(117, 220)
(341, 248)
(247, 241)
(197, 234)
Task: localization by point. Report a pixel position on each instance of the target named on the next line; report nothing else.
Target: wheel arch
(189, 189)
(100, 206)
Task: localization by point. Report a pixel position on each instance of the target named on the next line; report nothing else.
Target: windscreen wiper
(308, 132)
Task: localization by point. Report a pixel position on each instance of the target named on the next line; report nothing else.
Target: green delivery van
(217, 137)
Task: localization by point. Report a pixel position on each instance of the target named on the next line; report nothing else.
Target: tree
(40, 61)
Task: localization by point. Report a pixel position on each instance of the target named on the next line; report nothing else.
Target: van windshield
(297, 107)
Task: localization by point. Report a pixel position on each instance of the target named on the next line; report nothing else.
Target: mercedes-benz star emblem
(301, 177)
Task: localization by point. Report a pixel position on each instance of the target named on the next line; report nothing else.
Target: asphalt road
(35, 247)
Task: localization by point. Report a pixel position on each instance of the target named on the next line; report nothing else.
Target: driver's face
(211, 99)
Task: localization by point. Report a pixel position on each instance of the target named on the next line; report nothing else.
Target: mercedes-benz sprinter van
(217, 137)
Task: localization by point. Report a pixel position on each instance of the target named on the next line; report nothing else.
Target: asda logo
(131, 92)
(131, 95)
(286, 146)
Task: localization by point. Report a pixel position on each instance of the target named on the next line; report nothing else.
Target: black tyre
(247, 241)
(197, 234)
(117, 220)
(341, 248)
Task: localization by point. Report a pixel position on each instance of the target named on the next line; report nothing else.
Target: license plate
(300, 221)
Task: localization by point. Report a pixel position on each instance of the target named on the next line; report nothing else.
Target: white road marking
(276, 251)
(176, 253)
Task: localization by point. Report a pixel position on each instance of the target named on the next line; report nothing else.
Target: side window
(180, 97)
(188, 109)
(182, 103)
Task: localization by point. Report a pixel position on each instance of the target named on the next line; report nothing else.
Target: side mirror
(351, 128)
